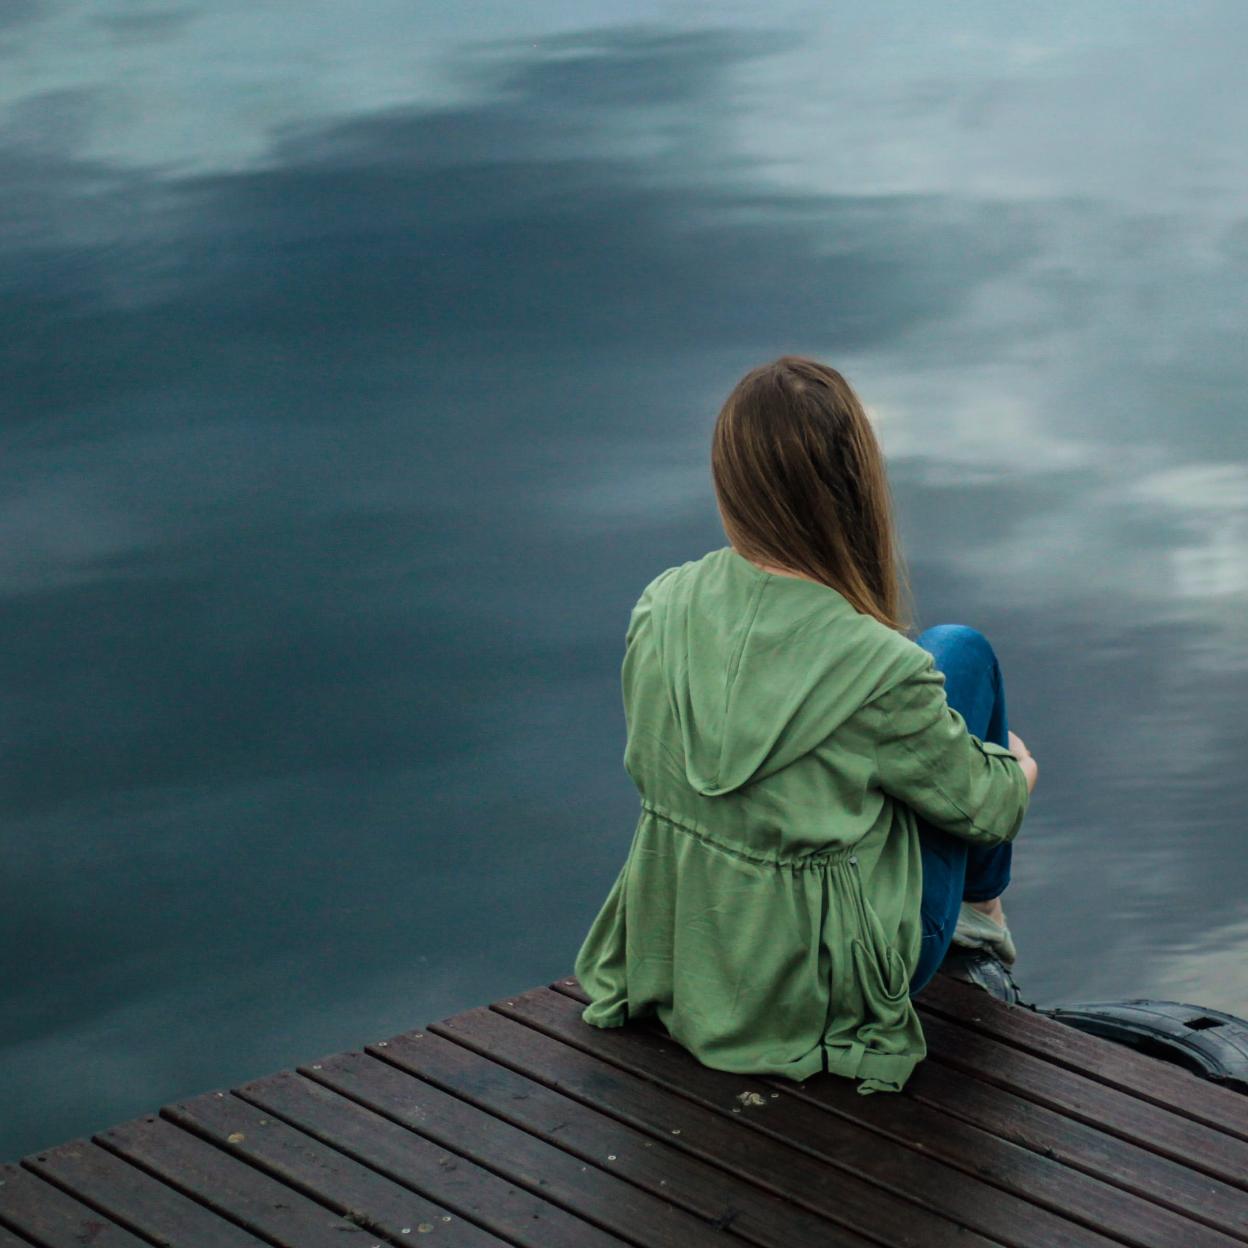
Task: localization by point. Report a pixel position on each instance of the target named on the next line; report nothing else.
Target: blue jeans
(955, 869)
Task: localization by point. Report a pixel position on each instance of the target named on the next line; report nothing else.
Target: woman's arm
(926, 757)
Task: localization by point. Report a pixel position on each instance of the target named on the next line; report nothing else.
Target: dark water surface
(359, 365)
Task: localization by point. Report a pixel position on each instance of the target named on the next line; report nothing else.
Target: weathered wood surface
(520, 1124)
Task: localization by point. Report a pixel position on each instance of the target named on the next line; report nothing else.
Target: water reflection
(357, 381)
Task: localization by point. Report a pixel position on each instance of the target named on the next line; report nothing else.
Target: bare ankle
(992, 908)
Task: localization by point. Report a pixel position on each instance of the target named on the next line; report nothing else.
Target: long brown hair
(800, 481)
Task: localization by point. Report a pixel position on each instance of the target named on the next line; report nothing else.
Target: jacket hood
(762, 667)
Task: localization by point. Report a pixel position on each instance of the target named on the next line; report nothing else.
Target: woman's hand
(1030, 769)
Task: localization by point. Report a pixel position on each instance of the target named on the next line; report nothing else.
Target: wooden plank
(1142, 1122)
(1118, 1066)
(49, 1218)
(831, 1183)
(260, 1204)
(323, 1173)
(1051, 1134)
(655, 1165)
(1129, 1166)
(135, 1200)
(1095, 1204)
(591, 1192)
(470, 1190)
(891, 1137)
(520, 1124)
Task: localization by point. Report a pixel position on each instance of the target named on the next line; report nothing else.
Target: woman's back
(767, 912)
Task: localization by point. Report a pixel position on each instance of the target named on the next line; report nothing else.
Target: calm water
(359, 365)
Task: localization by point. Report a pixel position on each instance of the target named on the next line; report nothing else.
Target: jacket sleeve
(926, 757)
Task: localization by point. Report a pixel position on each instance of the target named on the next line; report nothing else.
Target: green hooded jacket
(781, 741)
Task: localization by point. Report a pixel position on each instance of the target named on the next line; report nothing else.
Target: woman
(821, 797)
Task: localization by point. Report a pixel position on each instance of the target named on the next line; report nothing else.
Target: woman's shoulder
(653, 591)
(897, 659)
(659, 584)
(656, 583)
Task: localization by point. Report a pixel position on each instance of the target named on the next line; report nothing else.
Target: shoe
(975, 930)
(985, 970)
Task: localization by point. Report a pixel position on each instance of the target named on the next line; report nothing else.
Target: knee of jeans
(941, 638)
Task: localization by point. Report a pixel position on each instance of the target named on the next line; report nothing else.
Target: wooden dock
(520, 1124)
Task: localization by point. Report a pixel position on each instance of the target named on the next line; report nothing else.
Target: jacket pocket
(885, 972)
(877, 959)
